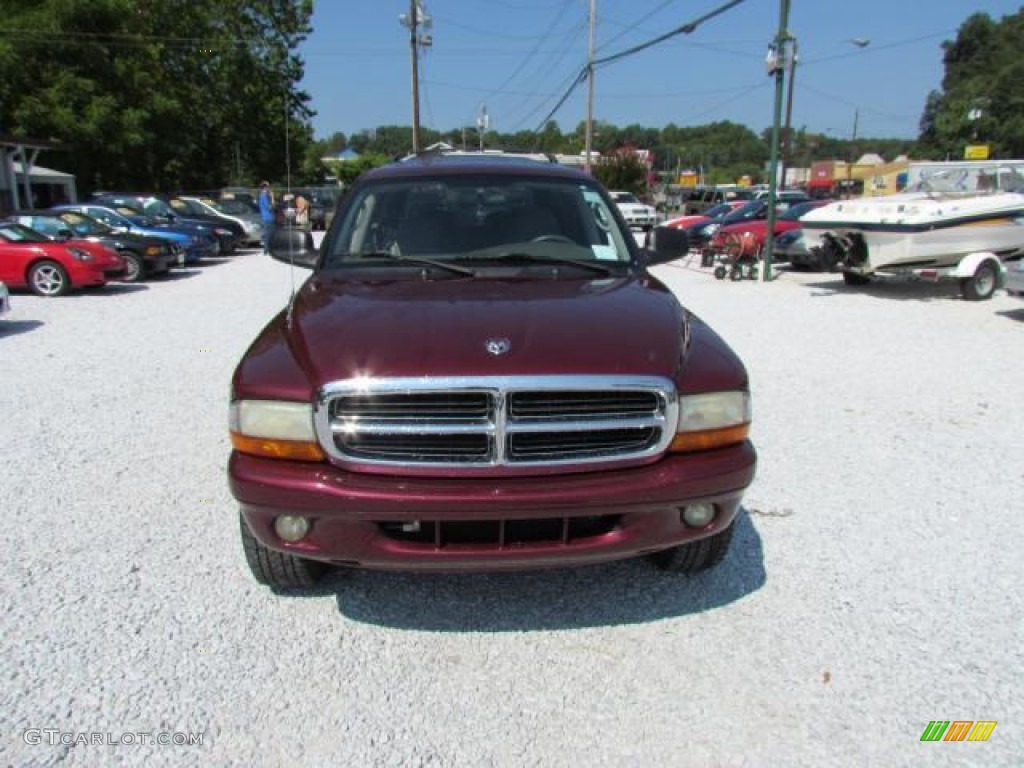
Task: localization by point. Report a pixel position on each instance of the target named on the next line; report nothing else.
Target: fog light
(291, 528)
(698, 515)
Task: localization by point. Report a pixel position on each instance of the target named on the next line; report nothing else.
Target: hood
(344, 328)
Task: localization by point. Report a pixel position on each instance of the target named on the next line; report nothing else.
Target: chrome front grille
(485, 422)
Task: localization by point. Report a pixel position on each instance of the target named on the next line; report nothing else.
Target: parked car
(633, 211)
(226, 232)
(322, 201)
(5, 299)
(47, 268)
(482, 374)
(700, 199)
(682, 222)
(1015, 277)
(143, 256)
(245, 215)
(700, 234)
(194, 244)
(751, 234)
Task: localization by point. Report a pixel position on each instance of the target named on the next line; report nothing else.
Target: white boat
(943, 219)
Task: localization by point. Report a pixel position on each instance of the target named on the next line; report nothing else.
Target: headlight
(712, 420)
(274, 429)
(709, 229)
(153, 250)
(222, 232)
(79, 254)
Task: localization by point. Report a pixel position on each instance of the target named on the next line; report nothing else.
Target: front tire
(134, 267)
(277, 569)
(982, 284)
(48, 278)
(695, 556)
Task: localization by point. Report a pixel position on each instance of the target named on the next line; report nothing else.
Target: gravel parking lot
(872, 585)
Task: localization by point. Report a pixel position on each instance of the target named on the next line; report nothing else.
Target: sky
(516, 58)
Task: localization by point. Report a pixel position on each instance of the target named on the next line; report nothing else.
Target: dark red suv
(481, 374)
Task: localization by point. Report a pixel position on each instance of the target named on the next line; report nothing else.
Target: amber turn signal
(707, 439)
(296, 450)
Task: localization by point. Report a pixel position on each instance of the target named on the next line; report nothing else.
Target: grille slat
(500, 534)
(484, 422)
(576, 405)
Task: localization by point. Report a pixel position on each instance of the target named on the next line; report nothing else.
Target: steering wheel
(553, 239)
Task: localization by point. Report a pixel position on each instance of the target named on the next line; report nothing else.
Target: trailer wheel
(720, 272)
(982, 284)
(736, 273)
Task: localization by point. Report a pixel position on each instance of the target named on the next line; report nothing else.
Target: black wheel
(852, 278)
(736, 273)
(277, 569)
(695, 556)
(982, 284)
(48, 278)
(753, 273)
(134, 267)
(720, 272)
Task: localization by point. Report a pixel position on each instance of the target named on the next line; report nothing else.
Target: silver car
(1015, 277)
(243, 213)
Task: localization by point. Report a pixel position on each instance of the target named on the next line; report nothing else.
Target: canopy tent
(19, 189)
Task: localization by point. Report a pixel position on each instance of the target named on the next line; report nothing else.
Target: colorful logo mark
(958, 730)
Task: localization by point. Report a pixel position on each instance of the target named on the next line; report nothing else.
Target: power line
(684, 29)
(637, 23)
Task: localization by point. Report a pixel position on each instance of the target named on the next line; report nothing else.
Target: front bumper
(354, 517)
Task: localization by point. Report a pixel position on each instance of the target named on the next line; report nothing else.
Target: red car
(749, 236)
(48, 268)
(682, 222)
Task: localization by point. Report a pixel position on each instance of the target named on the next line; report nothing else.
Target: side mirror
(63, 235)
(294, 246)
(666, 244)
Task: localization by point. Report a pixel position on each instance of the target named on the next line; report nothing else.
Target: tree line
(146, 94)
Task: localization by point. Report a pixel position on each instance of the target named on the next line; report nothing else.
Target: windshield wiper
(412, 260)
(593, 266)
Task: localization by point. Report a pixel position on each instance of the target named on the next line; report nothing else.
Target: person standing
(302, 212)
(266, 201)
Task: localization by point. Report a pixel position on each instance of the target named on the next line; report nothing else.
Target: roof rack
(435, 151)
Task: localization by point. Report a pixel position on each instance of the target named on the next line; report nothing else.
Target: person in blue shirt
(266, 201)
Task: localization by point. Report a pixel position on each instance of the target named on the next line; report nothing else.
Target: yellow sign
(976, 152)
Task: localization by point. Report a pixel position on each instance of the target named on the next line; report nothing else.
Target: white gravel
(873, 585)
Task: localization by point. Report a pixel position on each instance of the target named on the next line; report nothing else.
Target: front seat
(427, 232)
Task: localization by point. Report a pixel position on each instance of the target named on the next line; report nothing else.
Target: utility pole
(849, 165)
(416, 18)
(777, 67)
(787, 138)
(589, 143)
(483, 122)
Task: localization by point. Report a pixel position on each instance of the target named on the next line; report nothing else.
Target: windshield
(624, 197)
(83, 225)
(234, 207)
(453, 218)
(16, 233)
(155, 207)
(718, 210)
(969, 181)
(188, 207)
(796, 211)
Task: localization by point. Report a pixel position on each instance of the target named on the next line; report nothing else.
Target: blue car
(193, 243)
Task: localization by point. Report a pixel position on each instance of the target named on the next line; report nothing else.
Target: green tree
(983, 72)
(158, 94)
(622, 171)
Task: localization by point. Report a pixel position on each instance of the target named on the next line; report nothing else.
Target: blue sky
(518, 56)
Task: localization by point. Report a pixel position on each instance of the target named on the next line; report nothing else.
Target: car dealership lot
(873, 585)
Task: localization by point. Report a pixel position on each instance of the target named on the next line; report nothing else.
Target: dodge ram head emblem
(498, 346)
